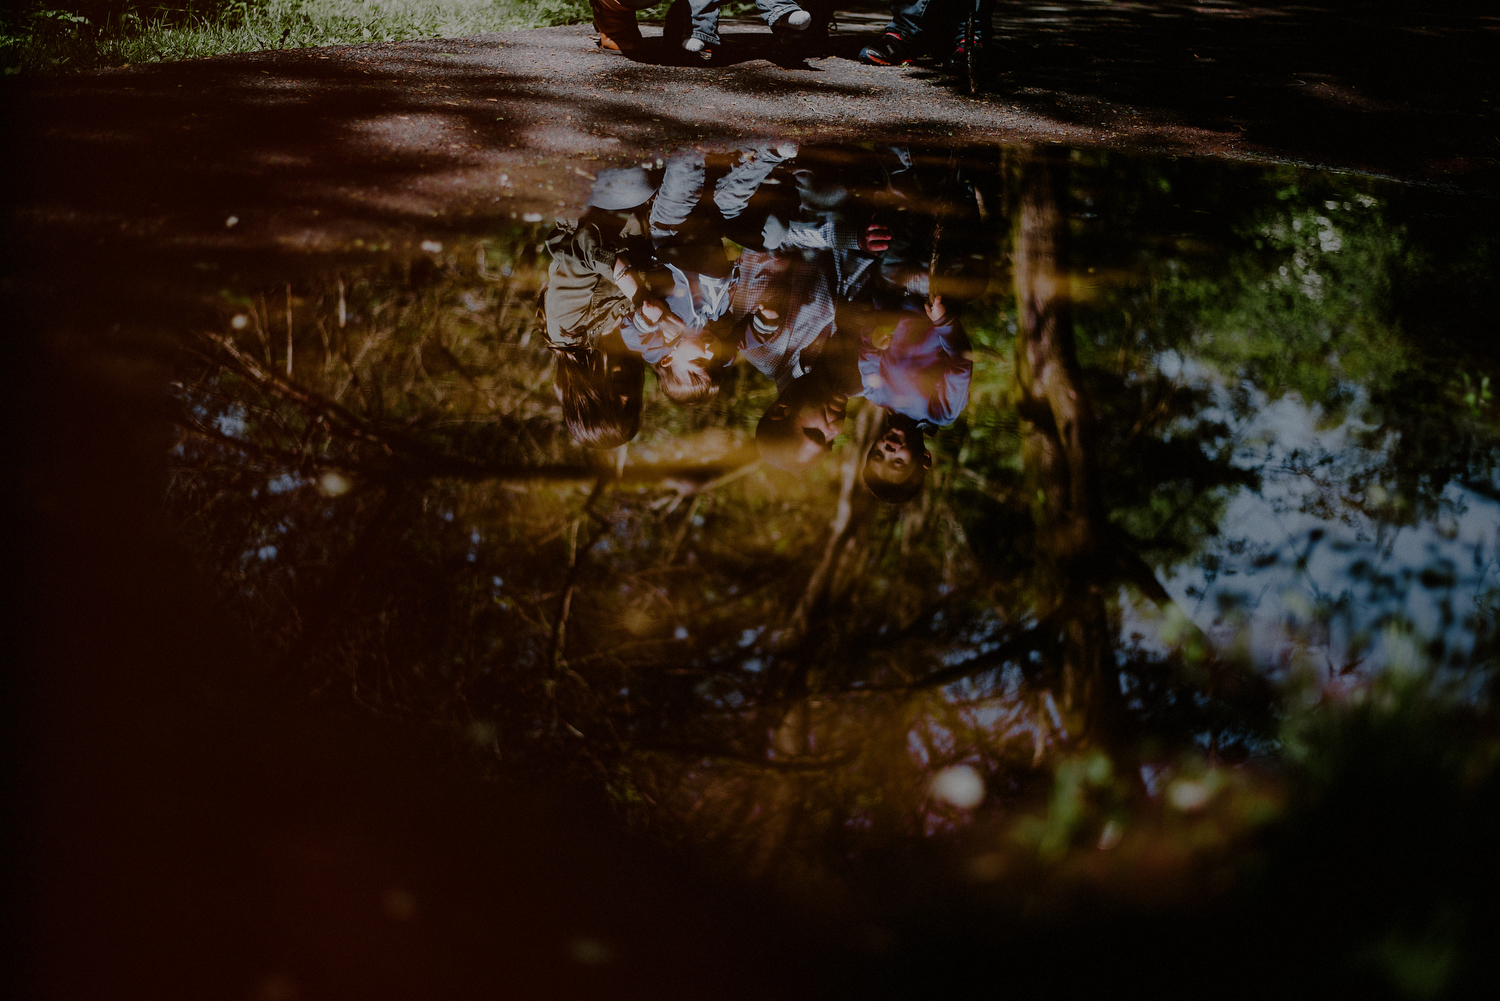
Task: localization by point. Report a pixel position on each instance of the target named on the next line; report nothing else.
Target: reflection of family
(835, 292)
(916, 26)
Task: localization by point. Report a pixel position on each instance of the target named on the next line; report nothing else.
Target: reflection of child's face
(891, 458)
(692, 353)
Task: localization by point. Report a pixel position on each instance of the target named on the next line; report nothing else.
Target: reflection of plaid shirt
(800, 287)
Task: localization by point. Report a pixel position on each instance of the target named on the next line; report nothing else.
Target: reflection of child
(602, 254)
(897, 462)
(923, 372)
(679, 336)
(598, 381)
(809, 410)
(921, 377)
(601, 390)
(591, 287)
(681, 328)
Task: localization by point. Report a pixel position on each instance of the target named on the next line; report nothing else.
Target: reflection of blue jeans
(682, 185)
(679, 193)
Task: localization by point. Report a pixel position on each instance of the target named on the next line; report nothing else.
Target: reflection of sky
(1286, 586)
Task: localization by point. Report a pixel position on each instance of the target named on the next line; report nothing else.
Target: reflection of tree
(1061, 456)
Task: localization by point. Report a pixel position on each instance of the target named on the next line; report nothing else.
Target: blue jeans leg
(680, 192)
(907, 18)
(772, 11)
(706, 20)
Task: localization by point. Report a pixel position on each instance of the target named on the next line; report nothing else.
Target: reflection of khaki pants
(615, 19)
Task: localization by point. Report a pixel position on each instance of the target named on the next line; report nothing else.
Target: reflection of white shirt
(696, 299)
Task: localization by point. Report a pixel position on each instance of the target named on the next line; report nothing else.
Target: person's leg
(734, 190)
(902, 35)
(908, 19)
(617, 29)
(680, 191)
(706, 21)
(985, 15)
(780, 13)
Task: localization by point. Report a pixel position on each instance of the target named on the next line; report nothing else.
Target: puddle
(1027, 497)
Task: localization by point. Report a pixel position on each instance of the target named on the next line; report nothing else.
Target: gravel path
(311, 150)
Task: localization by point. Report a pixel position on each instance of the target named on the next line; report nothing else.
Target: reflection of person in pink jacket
(921, 378)
(923, 373)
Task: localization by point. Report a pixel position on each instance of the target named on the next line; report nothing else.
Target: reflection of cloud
(1302, 563)
(959, 785)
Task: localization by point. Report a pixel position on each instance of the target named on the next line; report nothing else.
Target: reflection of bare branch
(415, 458)
(560, 627)
(1012, 649)
(840, 529)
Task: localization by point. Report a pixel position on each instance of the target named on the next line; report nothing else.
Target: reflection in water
(1018, 498)
(850, 272)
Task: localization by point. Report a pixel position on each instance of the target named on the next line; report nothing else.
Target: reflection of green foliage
(1082, 791)
(1310, 310)
(1307, 286)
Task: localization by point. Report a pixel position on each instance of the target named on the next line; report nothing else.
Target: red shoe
(891, 50)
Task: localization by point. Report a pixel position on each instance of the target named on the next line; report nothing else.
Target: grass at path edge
(64, 36)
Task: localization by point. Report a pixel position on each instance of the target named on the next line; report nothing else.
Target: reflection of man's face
(891, 458)
(819, 416)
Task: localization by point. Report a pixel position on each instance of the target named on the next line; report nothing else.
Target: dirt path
(311, 150)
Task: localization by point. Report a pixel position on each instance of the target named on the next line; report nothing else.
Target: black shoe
(957, 64)
(891, 50)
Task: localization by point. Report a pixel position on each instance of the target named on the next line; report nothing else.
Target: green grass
(89, 36)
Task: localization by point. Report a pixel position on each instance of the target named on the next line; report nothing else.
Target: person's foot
(796, 21)
(697, 47)
(889, 51)
(956, 62)
(619, 43)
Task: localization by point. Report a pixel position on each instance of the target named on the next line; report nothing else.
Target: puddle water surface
(1023, 502)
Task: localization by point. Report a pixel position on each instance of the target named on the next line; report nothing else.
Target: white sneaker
(693, 44)
(799, 19)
